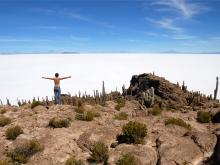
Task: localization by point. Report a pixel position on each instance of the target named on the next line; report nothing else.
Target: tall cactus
(8, 102)
(124, 91)
(103, 94)
(216, 89)
(184, 87)
(19, 102)
(79, 93)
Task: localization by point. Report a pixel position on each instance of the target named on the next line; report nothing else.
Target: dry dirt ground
(164, 144)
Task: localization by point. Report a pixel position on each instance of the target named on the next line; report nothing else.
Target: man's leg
(56, 96)
(59, 96)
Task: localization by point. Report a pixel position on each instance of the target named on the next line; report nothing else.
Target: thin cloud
(183, 37)
(23, 40)
(186, 9)
(104, 24)
(197, 42)
(151, 34)
(136, 40)
(77, 38)
(74, 15)
(45, 27)
(166, 23)
(78, 16)
(42, 10)
(215, 38)
(89, 20)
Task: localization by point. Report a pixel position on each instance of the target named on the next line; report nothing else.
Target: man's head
(56, 74)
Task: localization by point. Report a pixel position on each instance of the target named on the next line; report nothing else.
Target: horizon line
(106, 52)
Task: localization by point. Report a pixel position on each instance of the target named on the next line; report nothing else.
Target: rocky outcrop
(216, 117)
(205, 141)
(145, 155)
(164, 144)
(162, 88)
(215, 158)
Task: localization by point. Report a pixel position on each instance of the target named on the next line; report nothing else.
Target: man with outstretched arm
(57, 89)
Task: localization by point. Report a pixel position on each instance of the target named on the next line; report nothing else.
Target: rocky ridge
(163, 145)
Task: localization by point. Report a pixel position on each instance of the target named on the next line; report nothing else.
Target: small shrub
(22, 153)
(127, 159)
(179, 122)
(133, 132)
(3, 111)
(89, 116)
(80, 109)
(13, 132)
(4, 162)
(203, 117)
(59, 123)
(35, 103)
(121, 116)
(120, 103)
(4, 121)
(73, 161)
(99, 152)
(186, 163)
(156, 110)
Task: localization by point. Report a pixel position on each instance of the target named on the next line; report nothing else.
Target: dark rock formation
(163, 89)
(216, 118)
(215, 158)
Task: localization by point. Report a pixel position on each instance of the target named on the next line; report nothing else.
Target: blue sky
(109, 26)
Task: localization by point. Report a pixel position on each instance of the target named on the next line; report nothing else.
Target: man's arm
(65, 78)
(48, 78)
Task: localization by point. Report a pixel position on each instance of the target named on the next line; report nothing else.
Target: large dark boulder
(216, 118)
(215, 158)
(162, 88)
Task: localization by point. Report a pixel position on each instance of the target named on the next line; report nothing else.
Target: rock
(104, 134)
(215, 158)
(205, 141)
(162, 88)
(176, 130)
(177, 150)
(216, 118)
(145, 154)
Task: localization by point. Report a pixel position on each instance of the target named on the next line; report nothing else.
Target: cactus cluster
(147, 97)
(97, 98)
(196, 98)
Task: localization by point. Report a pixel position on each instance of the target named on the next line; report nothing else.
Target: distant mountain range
(72, 52)
(176, 52)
